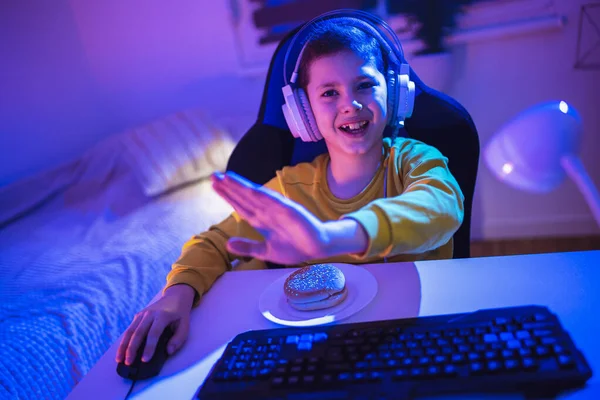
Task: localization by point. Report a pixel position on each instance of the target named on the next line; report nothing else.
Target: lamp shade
(528, 151)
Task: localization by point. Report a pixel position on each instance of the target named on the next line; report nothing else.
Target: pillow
(178, 149)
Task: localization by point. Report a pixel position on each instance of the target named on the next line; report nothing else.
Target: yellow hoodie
(422, 209)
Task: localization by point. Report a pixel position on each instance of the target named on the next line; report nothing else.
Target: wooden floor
(533, 246)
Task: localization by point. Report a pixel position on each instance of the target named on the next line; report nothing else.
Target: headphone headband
(393, 48)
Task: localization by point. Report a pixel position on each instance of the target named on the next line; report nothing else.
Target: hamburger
(315, 287)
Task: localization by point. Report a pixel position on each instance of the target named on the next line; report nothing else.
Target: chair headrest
(270, 110)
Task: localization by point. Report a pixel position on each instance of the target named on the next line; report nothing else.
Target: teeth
(354, 126)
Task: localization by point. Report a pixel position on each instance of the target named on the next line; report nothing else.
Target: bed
(86, 245)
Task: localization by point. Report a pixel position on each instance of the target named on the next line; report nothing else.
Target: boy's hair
(328, 38)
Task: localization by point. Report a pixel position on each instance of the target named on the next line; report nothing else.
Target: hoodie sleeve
(424, 216)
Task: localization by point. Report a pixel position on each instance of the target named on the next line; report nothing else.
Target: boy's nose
(351, 106)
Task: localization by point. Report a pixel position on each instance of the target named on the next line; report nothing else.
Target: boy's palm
(291, 233)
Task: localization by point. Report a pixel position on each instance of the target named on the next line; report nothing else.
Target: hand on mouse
(173, 308)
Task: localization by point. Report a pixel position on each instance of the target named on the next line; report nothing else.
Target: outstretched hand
(292, 234)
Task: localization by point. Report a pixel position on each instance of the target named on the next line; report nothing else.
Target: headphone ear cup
(406, 95)
(401, 95)
(307, 115)
(392, 97)
(291, 112)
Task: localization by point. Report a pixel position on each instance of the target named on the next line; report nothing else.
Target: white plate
(362, 288)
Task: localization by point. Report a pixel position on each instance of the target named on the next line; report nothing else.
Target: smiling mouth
(355, 128)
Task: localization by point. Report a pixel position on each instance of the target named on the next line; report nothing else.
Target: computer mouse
(139, 370)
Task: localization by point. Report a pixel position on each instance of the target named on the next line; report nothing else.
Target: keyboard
(521, 350)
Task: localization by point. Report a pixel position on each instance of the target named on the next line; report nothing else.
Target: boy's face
(348, 97)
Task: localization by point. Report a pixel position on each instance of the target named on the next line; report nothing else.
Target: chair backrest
(437, 120)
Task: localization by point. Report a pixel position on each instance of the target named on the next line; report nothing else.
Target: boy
(367, 200)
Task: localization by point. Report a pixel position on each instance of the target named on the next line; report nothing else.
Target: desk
(567, 283)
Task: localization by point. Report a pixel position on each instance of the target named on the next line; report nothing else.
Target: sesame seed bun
(315, 287)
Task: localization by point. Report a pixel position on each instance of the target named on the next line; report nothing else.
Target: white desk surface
(567, 283)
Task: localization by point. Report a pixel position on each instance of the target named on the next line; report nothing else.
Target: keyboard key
(522, 335)
(511, 364)
(529, 363)
(359, 376)
(458, 358)
(450, 370)
(523, 352)
(293, 339)
(565, 361)
(400, 374)
(374, 376)
(277, 381)
(280, 370)
(476, 367)
(548, 340)
(320, 337)
(424, 360)
(305, 346)
(558, 349)
(345, 376)
(479, 347)
(432, 352)
(542, 351)
(493, 366)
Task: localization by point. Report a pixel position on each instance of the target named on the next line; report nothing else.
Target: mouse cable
(130, 389)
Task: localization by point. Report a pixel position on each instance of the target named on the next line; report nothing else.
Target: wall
(497, 79)
(75, 72)
(50, 106)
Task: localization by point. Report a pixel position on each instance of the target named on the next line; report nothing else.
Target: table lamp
(538, 148)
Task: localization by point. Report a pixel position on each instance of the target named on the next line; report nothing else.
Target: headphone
(400, 89)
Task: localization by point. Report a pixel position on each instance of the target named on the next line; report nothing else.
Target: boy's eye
(329, 93)
(366, 85)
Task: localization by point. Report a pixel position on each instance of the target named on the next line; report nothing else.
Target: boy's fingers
(254, 218)
(247, 197)
(238, 204)
(181, 333)
(157, 328)
(137, 338)
(126, 338)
